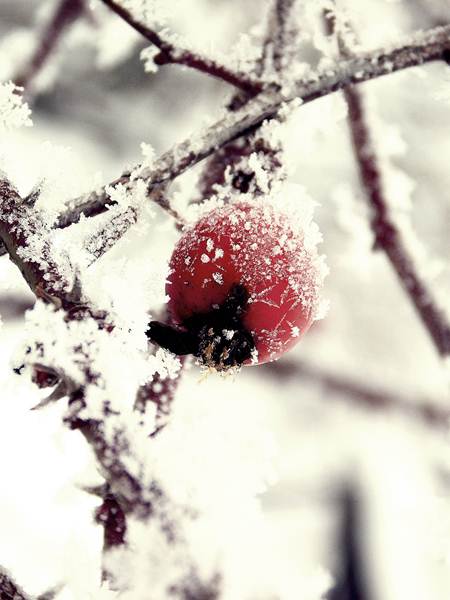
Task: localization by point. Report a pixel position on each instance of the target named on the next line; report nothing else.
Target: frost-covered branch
(171, 54)
(65, 14)
(413, 51)
(423, 409)
(23, 233)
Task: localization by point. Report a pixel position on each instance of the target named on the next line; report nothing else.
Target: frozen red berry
(243, 286)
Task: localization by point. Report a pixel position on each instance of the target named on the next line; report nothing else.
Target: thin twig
(169, 53)
(352, 582)
(423, 409)
(279, 32)
(422, 48)
(65, 14)
(388, 237)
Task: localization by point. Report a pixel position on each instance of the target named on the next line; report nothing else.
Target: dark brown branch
(388, 237)
(360, 394)
(278, 41)
(422, 48)
(66, 13)
(171, 54)
(352, 581)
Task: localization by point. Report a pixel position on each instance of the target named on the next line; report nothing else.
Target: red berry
(245, 283)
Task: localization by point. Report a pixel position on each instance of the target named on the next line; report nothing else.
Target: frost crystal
(14, 112)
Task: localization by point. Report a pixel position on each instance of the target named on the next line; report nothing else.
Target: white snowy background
(270, 450)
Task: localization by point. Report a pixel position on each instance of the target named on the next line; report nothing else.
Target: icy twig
(422, 409)
(65, 14)
(388, 237)
(112, 231)
(169, 53)
(97, 203)
(416, 50)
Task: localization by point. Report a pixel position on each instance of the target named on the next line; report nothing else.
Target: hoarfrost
(14, 112)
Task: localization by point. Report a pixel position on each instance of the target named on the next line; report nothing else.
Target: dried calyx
(218, 337)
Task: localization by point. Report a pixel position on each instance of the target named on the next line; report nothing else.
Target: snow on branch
(414, 50)
(171, 54)
(14, 112)
(73, 344)
(24, 233)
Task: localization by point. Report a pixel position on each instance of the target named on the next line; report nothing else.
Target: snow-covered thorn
(33, 196)
(59, 392)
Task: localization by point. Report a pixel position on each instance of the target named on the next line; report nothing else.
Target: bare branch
(66, 13)
(277, 38)
(423, 409)
(422, 48)
(388, 238)
(174, 55)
